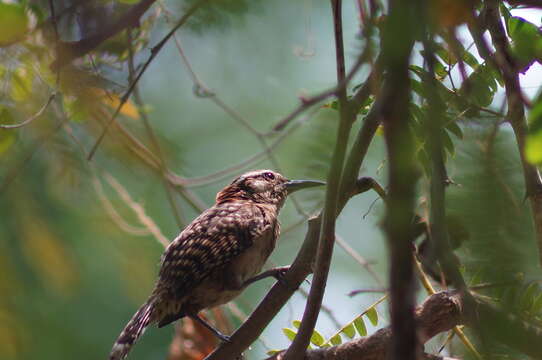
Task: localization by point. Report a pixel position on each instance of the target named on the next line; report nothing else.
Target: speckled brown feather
(208, 263)
(214, 238)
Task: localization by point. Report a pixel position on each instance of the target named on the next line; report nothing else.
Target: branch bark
(277, 297)
(516, 112)
(397, 43)
(327, 232)
(438, 313)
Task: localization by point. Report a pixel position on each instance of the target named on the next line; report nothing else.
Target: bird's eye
(269, 175)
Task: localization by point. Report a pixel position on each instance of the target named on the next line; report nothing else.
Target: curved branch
(33, 117)
(438, 313)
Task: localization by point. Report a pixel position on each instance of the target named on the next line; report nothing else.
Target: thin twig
(326, 309)
(154, 52)
(251, 160)
(327, 233)
(113, 213)
(150, 132)
(213, 96)
(33, 117)
(143, 218)
(358, 258)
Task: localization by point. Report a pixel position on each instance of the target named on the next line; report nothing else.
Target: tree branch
(154, 52)
(438, 313)
(275, 299)
(516, 112)
(68, 51)
(397, 43)
(327, 232)
(33, 117)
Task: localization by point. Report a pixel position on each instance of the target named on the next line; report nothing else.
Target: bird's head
(263, 186)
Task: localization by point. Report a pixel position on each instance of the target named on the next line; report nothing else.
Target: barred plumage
(212, 259)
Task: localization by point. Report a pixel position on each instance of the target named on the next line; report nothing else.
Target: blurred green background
(70, 278)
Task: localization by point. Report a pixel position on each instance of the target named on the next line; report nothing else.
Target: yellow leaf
(128, 109)
(533, 148)
(113, 101)
(13, 23)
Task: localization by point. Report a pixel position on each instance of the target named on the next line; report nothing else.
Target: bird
(216, 256)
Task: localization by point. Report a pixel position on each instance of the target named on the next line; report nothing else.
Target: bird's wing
(210, 242)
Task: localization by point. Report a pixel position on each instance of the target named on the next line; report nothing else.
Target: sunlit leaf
(533, 147)
(349, 330)
(290, 334)
(372, 315)
(21, 84)
(113, 101)
(273, 352)
(13, 22)
(296, 323)
(317, 338)
(336, 339)
(360, 326)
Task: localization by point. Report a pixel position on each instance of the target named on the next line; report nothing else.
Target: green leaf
(7, 138)
(349, 330)
(21, 85)
(290, 334)
(372, 315)
(448, 143)
(273, 352)
(336, 339)
(317, 338)
(443, 53)
(455, 129)
(470, 60)
(13, 22)
(528, 296)
(526, 39)
(360, 326)
(533, 148)
(440, 70)
(537, 304)
(505, 12)
(296, 323)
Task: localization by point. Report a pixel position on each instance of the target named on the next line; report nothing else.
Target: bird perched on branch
(215, 257)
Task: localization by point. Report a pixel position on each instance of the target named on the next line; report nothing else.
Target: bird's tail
(133, 330)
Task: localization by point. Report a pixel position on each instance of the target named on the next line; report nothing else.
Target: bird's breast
(251, 261)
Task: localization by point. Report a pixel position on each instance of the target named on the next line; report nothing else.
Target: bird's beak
(294, 185)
